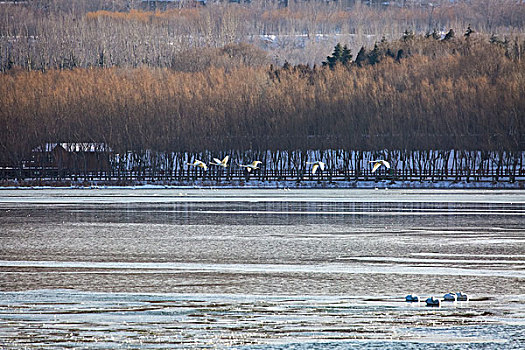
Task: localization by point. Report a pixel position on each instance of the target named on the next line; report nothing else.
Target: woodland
(263, 76)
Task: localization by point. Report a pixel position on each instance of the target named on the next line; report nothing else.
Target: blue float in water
(461, 297)
(433, 302)
(450, 297)
(412, 298)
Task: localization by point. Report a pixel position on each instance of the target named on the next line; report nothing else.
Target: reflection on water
(260, 269)
(269, 213)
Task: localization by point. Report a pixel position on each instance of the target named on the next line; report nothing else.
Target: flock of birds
(224, 163)
(255, 164)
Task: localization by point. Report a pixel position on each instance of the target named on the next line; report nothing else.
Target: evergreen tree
(361, 57)
(341, 54)
(400, 55)
(375, 55)
(449, 35)
(346, 56)
(337, 55)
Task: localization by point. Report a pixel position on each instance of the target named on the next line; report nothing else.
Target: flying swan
(316, 166)
(223, 163)
(378, 163)
(200, 164)
(253, 166)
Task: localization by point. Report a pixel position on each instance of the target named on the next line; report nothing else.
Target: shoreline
(257, 184)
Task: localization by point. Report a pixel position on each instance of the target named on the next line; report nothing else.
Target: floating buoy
(433, 302)
(461, 297)
(412, 298)
(450, 297)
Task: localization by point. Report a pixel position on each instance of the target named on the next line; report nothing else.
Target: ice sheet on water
(267, 277)
(46, 318)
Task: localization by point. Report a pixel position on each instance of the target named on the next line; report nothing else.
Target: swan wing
(385, 163)
(200, 164)
(225, 160)
(322, 165)
(314, 169)
(376, 166)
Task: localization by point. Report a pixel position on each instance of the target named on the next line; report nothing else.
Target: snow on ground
(258, 184)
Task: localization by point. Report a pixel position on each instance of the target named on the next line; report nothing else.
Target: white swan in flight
(316, 166)
(253, 166)
(223, 163)
(378, 163)
(200, 164)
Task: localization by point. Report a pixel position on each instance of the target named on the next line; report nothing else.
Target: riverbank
(255, 184)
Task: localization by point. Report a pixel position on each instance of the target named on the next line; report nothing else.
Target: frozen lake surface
(260, 269)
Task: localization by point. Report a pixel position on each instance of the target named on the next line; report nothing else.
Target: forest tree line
(59, 34)
(417, 93)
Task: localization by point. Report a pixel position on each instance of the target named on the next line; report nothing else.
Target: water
(260, 269)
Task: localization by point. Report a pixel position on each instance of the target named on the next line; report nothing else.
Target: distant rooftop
(74, 147)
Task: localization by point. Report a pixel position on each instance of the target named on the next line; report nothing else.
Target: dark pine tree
(337, 55)
(400, 55)
(374, 56)
(449, 35)
(346, 56)
(361, 58)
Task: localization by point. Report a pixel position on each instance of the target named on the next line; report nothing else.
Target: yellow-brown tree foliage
(454, 101)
